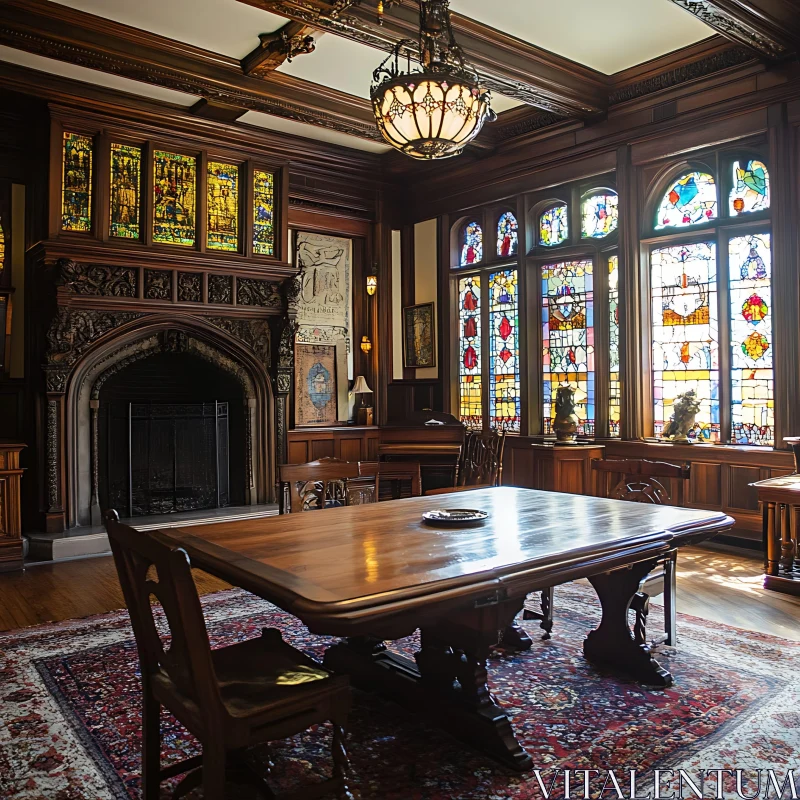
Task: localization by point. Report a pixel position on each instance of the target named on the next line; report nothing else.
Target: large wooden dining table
(372, 573)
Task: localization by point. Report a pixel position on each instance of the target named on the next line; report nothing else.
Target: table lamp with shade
(363, 412)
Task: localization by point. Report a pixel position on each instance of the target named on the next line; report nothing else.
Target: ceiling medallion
(435, 109)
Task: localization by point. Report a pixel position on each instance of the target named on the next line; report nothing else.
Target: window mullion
(724, 337)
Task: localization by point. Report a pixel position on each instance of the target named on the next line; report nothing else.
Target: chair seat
(259, 674)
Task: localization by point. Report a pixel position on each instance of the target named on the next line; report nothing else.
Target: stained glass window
(126, 170)
(76, 187)
(175, 202)
(2, 248)
(614, 399)
(752, 399)
(263, 213)
(554, 226)
(692, 199)
(471, 244)
(469, 370)
(750, 190)
(223, 206)
(568, 339)
(507, 235)
(504, 400)
(599, 215)
(685, 336)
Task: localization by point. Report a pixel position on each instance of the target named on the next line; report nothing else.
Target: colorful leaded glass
(554, 226)
(2, 248)
(692, 199)
(263, 213)
(175, 201)
(599, 215)
(76, 187)
(126, 172)
(750, 190)
(223, 206)
(614, 399)
(469, 368)
(504, 401)
(507, 235)
(471, 244)
(568, 339)
(685, 335)
(752, 400)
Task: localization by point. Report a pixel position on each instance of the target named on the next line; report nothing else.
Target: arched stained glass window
(614, 389)
(599, 215)
(691, 199)
(752, 403)
(750, 190)
(471, 244)
(504, 400)
(685, 334)
(554, 226)
(469, 336)
(507, 235)
(568, 339)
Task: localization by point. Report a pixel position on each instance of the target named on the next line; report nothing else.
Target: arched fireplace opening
(171, 436)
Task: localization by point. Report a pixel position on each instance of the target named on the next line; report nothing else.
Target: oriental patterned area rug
(69, 718)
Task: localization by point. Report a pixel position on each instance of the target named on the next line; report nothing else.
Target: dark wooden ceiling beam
(288, 42)
(771, 28)
(506, 64)
(62, 33)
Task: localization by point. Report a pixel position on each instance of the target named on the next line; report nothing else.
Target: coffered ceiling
(538, 57)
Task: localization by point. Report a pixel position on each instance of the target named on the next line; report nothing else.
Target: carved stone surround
(85, 346)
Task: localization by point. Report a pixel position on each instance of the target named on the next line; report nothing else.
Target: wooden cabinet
(10, 519)
(351, 443)
(555, 468)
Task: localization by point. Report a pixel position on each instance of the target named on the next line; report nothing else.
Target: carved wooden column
(785, 275)
(630, 290)
(94, 507)
(55, 518)
(283, 385)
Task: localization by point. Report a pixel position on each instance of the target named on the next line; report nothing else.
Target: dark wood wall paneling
(347, 443)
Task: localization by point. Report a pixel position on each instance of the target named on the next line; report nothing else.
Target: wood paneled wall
(348, 444)
(720, 480)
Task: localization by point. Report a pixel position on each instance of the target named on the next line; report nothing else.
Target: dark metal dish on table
(455, 517)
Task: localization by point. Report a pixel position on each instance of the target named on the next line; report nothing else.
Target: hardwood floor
(724, 587)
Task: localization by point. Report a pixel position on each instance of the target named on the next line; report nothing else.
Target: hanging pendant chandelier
(436, 109)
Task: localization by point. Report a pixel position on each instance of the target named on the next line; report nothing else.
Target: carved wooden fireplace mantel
(110, 313)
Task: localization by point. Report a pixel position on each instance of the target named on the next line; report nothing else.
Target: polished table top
(337, 561)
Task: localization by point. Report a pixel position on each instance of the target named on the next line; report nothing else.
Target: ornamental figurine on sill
(684, 410)
(566, 422)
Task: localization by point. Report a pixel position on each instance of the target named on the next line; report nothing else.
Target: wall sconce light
(372, 284)
(366, 344)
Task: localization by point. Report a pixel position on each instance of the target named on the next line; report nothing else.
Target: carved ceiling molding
(732, 57)
(300, 202)
(181, 82)
(735, 27)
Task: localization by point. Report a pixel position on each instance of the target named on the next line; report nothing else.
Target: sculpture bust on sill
(566, 422)
(684, 410)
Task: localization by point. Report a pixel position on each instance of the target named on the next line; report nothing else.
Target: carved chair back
(642, 481)
(147, 569)
(317, 484)
(482, 458)
(394, 479)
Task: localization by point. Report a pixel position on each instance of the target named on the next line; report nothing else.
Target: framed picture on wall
(315, 384)
(419, 338)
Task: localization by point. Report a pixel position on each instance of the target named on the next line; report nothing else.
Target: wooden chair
(393, 479)
(315, 485)
(639, 481)
(481, 462)
(231, 698)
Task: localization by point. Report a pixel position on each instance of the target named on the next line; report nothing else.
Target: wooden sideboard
(780, 504)
(551, 467)
(349, 443)
(10, 516)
